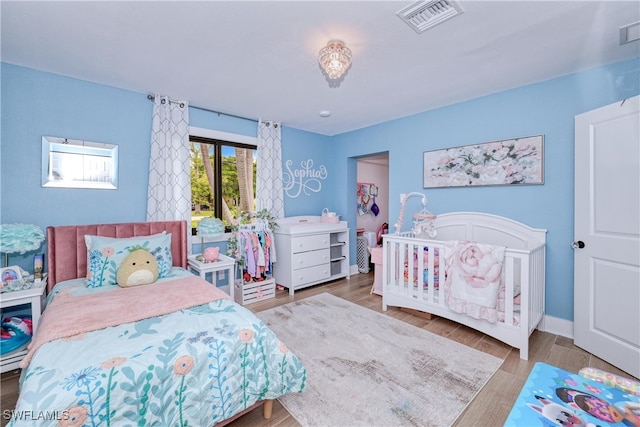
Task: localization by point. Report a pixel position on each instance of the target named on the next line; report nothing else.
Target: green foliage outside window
(237, 196)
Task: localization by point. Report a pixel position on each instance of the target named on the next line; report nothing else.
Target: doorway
(373, 192)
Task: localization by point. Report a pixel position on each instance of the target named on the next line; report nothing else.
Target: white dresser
(309, 252)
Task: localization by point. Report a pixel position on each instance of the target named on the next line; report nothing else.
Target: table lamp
(19, 238)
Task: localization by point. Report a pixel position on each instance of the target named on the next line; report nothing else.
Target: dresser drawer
(309, 243)
(311, 258)
(311, 274)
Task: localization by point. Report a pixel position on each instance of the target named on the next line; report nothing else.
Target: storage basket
(330, 219)
(363, 255)
(250, 292)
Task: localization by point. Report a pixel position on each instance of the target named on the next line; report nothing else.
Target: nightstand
(35, 297)
(216, 268)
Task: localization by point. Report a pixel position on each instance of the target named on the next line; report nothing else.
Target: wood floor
(490, 407)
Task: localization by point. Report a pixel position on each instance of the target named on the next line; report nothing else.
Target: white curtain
(270, 194)
(169, 194)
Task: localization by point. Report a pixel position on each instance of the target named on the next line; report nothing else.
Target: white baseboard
(353, 269)
(555, 325)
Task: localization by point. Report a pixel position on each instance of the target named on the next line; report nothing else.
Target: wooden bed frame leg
(267, 409)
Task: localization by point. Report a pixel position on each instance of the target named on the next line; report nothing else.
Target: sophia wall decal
(506, 162)
(303, 180)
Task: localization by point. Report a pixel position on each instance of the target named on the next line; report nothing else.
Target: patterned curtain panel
(169, 195)
(270, 194)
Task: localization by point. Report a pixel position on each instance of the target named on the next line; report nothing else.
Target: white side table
(34, 296)
(224, 263)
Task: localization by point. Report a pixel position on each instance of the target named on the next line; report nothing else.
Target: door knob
(578, 245)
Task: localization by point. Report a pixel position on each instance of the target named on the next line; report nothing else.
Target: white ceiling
(259, 59)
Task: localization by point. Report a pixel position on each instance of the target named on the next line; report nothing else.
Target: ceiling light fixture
(335, 59)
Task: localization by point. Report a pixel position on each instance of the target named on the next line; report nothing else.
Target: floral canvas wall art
(507, 162)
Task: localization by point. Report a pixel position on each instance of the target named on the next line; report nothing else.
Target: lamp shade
(20, 238)
(208, 227)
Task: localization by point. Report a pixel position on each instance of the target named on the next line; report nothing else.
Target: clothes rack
(254, 243)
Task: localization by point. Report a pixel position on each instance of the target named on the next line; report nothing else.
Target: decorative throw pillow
(105, 254)
(138, 268)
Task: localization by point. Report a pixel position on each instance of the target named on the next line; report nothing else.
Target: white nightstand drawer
(311, 274)
(309, 259)
(309, 243)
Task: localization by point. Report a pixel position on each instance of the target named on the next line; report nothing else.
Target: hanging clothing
(256, 247)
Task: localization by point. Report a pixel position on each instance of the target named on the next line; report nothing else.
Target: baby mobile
(367, 192)
(423, 226)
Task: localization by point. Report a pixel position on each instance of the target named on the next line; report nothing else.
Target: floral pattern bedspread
(194, 367)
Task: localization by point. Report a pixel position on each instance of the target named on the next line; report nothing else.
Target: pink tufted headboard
(67, 251)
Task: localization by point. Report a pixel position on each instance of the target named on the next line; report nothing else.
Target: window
(223, 179)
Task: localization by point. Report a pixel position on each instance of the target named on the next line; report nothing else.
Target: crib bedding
(499, 312)
(195, 366)
(491, 311)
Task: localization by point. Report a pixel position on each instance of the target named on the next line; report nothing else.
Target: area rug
(368, 369)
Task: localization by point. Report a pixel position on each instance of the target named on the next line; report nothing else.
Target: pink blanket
(474, 278)
(68, 315)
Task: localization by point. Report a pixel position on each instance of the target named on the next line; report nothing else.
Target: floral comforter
(193, 367)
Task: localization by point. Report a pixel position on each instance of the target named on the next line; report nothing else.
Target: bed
(176, 351)
(421, 274)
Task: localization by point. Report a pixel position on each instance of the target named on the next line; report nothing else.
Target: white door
(607, 230)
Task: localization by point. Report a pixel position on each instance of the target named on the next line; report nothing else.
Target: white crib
(408, 273)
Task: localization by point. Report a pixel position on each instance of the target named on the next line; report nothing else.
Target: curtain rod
(152, 97)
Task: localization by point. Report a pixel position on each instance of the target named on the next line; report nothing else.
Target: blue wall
(35, 103)
(546, 108)
(298, 148)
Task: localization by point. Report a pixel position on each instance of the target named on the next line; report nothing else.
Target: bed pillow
(105, 254)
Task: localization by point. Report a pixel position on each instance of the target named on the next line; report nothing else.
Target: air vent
(423, 15)
(630, 33)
